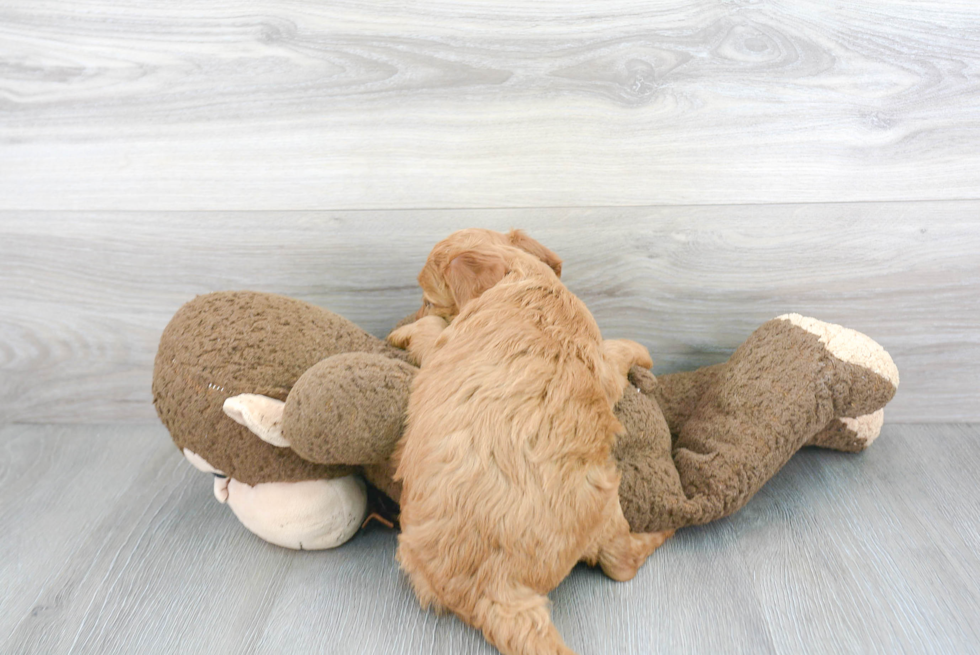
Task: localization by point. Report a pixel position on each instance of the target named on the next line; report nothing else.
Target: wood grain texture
(85, 296)
(891, 525)
(366, 104)
(113, 543)
(55, 486)
(145, 574)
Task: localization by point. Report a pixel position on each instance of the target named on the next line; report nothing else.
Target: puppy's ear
(519, 239)
(472, 272)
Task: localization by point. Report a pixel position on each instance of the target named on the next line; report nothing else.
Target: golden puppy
(505, 463)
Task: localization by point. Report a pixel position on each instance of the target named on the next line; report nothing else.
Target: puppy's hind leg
(622, 354)
(518, 622)
(621, 553)
(619, 356)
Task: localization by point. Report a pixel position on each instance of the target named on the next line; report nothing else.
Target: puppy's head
(468, 262)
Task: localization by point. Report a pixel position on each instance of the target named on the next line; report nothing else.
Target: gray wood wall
(701, 167)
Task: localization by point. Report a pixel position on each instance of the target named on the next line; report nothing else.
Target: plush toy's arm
(347, 409)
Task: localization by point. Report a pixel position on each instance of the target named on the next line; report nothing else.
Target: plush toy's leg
(785, 384)
(678, 394)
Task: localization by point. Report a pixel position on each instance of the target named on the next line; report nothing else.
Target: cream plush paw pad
(866, 428)
(851, 435)
(848, 345)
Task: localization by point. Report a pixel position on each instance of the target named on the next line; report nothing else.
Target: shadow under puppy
(505, 463)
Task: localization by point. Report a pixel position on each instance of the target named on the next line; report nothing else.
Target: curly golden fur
(505, 462)
(439, 299)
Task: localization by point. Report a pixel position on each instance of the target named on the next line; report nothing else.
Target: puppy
(505, 462)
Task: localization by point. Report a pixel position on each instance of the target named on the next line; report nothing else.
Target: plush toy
(318, 405)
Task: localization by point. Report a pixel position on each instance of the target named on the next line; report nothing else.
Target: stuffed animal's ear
(260, 414)
(519, 239)
(472, 272)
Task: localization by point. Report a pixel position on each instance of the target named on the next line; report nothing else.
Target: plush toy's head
(224, 344)
(221, 345)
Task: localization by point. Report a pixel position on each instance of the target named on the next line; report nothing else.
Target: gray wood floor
(112, 543)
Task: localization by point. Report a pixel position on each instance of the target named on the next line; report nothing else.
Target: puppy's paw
(402, 337)
(420, 338)
(642, 379)
(641, 356)
(624, 354)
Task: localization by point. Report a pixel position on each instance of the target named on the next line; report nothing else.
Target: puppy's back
(506, 423)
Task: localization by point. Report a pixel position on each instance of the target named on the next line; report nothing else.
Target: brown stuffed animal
(327, 401)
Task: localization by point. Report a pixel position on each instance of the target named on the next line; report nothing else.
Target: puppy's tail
(518, 622)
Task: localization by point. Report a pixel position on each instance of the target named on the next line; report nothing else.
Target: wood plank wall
(702, 166)
(86, 295)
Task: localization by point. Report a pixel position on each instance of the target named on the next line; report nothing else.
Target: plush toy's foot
(872, 373)
(850, 435)
(867, 371)
(260, 414)
(848, 345)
